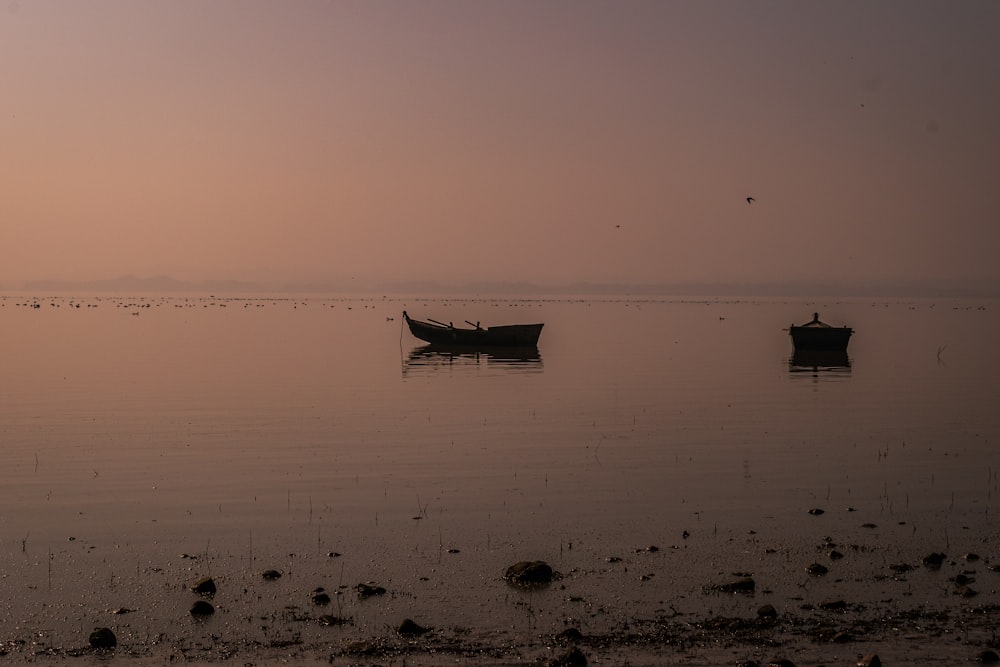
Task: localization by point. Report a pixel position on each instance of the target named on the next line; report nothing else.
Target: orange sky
(552, 141)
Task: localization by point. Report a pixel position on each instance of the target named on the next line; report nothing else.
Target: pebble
(103, 638)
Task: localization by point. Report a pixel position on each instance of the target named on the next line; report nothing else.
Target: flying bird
(750, 200)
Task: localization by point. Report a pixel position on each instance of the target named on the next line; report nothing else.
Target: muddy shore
(736, 596)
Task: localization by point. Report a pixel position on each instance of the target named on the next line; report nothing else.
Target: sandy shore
(705, 597)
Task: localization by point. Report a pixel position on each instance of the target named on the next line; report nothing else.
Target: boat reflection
(815, 362)
(504, 359)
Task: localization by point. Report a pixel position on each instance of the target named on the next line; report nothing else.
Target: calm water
(260, 433)
(236, 413)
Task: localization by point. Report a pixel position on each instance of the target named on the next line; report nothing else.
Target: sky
(551, 141)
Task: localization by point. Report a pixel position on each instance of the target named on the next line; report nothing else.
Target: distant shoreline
(168, 285)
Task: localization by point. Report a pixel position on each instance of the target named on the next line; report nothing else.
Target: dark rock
(742, 585)
(320, 598)
(333, 620)
(817, 570)
(966, 592)
(204, 586)
(103, 638)
(987, 655)
(870, 660)
(835, 555)
(962, 579)
(271, 575)
(901, 567)
(767, 611)
(410, 627)
(842, 637)
(780, 662)
(570, 635)
(934, 560)
(816, 511)
(833, 605)
(971, 557)
(574, 657)
(202, 608)
(527, 573)
(369, 589)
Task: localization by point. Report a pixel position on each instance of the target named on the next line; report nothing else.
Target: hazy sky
(542, 140)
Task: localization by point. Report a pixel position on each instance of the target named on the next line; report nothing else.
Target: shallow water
(270, 432)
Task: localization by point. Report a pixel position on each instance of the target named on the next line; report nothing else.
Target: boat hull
(513, 335)
(821, 338)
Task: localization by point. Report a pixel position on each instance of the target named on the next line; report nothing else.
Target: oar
(473, 325)
(440, 324)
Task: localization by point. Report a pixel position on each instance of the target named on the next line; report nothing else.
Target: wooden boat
(817, 335)
(439, 333)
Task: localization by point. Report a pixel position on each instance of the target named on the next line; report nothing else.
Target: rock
(574, 657)
(767, 611)
(369, 589)
(320, 598)
(570, 635)
(842, 637)
(835, 555)
(833, 605)
(987, 655)
(410, 627)
(934, 560)
(971, 557)
(527, 573)
(271, 575)
(204, 586)
(103, 638)
(327, 619)
(780, 662)
(966, 592)
(202, 608)
(870, 660)
(816, 511)
(817, 570)
(742, 585)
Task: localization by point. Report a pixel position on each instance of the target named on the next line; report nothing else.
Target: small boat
(817, 335)
(439, 333)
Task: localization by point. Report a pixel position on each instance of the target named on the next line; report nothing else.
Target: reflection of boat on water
(820, 361)
(438, 333)
(818, 335)
(509, 358)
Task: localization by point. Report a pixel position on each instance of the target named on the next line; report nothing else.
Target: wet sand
(708, 595)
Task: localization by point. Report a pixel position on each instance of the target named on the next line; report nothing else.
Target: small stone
(870, 660)
(369, 589)
(320, 598)
(767, 611)
(934, 560)
(987, 655)
(526, 573)
(271, 575)
(971, 556)
(833, 605)
(410, 627)
(817, 570)
(966, 592)
(574, 657)
(842, 637)
(835, 555)
(103, 638)
(333, 620)
(570, 635)
(780, 662)
(202, 608)
(204, 586)
(816, 511)
(742, 585)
